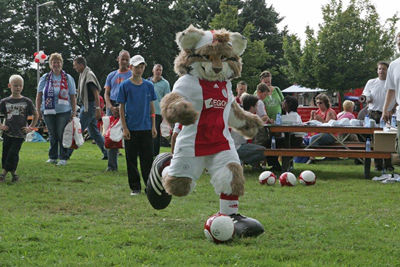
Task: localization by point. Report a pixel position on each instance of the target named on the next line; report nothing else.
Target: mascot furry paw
(202, 101)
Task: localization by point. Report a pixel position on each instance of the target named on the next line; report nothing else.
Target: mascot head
(210, 55)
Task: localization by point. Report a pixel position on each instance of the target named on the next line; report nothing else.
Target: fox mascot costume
(202, 101)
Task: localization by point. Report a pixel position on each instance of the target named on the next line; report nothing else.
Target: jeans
(323, 139)
(157, 140)
(55, 125)
(88, 120)
(112, 152)
(251, 153)
(10, 155)
(140, 145)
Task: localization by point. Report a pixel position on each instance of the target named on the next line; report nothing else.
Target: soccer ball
(267, 177)
(287, 178)
(307, 178)
(219, 228)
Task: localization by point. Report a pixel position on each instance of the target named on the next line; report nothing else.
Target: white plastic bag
(166, 129)
(78, 137)
(116, 132)
(72, 137)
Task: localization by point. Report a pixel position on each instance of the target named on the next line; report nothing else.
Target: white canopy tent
(299, 89)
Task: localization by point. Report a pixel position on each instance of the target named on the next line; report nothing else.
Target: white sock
(228, 204)
(165, 172)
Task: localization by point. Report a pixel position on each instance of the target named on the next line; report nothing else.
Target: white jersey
(393, 81)
(210, 132)
(375, 88)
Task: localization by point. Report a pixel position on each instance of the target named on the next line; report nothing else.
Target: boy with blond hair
(16, 108)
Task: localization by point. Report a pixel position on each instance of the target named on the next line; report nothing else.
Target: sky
(298, 14)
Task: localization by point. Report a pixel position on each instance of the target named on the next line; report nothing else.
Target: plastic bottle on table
(382, 123)
(278, 119)
(393, 122)
(367, 122)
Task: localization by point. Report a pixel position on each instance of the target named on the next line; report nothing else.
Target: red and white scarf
(49, 95)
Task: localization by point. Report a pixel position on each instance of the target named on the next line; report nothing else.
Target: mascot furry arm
(177, 107)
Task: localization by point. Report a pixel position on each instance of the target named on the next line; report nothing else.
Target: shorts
(193, 167)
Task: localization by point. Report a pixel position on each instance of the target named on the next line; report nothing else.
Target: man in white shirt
(392, 86)
(374, 94)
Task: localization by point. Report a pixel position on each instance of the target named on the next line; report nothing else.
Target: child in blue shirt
(137, 113)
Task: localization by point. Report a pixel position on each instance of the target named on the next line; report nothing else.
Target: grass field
(80, 215)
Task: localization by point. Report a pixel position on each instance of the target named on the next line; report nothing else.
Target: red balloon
(43, 56)
(35, 54)
(37, 60)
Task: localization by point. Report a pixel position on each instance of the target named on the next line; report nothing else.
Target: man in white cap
(137, 113)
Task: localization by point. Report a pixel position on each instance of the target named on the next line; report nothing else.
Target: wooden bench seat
(328, 152)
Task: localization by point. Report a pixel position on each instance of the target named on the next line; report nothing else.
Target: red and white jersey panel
(210, 133)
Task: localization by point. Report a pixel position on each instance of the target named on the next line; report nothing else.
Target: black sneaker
(156, 194)
(2, 178)
(246, 227)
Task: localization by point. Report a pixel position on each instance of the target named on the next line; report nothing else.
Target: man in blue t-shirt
(137, 112)
(114, 79)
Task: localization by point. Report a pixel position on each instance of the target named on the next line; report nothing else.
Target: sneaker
(15, 178)
(51, 161)
(135, 192)
(62, 162)
(156, 194)
(2, 178)
(109, 169)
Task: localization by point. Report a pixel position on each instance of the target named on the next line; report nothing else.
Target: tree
(292, 55)
(344, 54)
(265, 20)
(253, 58)
(227, 18)
(350, 43)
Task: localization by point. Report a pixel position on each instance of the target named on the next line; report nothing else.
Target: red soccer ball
(287, 179)
(307, 178)
(219, 228)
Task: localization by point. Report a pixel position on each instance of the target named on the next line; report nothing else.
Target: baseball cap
(136, 60)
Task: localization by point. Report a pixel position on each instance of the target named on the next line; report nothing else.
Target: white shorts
(193, 167)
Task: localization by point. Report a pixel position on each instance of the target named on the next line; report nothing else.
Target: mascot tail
(156, 194)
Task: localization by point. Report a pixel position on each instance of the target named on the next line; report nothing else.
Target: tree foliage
(348, 45)
(99, 29)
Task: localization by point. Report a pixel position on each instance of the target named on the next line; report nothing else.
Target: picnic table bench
(337, 150)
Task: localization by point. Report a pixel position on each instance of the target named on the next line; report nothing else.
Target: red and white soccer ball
(307, 178)
(287, 179)
(267, 177)
(219, 228)
(40, 57)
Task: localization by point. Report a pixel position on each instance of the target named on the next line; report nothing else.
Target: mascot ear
(239, 43)
(188, 39)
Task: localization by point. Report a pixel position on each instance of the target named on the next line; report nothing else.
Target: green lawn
(80, 215)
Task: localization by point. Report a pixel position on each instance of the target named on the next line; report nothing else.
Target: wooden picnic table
(356, 150)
